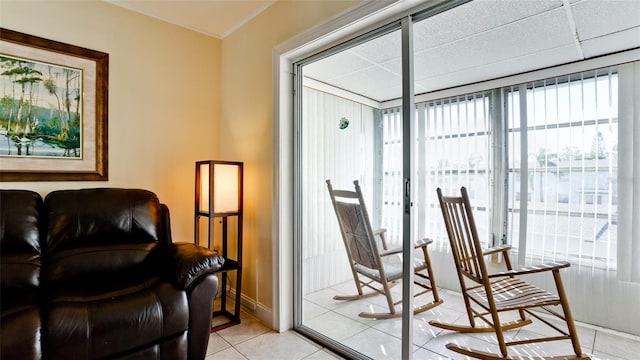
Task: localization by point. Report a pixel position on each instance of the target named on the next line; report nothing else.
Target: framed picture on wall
(53, 110)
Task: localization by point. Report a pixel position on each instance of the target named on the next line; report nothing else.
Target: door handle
(407, 196)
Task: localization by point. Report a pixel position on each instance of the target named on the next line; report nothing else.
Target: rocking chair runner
(492, 294)
(367, 261)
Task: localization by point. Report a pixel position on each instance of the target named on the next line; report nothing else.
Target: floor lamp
(218, 203)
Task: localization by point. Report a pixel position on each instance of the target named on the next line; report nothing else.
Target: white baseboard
(257, 309)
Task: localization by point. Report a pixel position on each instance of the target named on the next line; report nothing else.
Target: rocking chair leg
(499, 333)
(387, 293)
(567, 313)
(467, 303)
(434, 289)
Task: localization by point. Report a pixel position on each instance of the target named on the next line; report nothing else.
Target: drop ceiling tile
(595, 18)
(336, 66)
(370, 82)
(393, 66)
(381, 49)
(387, 93)
(476, 17)
(611, 43)
(525, 63)
(530, 36)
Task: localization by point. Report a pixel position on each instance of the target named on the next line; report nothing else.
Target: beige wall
(247, 106)
(164, 95)
(177, 96)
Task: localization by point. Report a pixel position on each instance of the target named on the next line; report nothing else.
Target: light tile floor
(380, 339)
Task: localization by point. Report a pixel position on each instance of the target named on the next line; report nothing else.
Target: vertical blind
(452, 150)
(629, 173)
(561, 139)
(340, 154)
(562, 182)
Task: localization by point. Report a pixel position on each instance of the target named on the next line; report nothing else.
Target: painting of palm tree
(40, 109)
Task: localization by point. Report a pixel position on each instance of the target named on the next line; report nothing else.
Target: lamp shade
(202, 186)
(226, 188)
(219, 187)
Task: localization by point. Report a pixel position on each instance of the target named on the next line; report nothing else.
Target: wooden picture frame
(53, 110)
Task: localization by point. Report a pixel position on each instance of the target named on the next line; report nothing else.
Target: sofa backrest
(20, 250)
(94, 234)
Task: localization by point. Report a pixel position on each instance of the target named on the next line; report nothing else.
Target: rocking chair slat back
(353, 223)
(461, 229)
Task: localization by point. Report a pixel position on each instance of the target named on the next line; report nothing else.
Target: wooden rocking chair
(368, 265)
(491, 294)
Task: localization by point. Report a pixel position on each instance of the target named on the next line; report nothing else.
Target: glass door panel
(341, 139)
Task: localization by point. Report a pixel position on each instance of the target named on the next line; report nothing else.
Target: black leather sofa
(94, 274)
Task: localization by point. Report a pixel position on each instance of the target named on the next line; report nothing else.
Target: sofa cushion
(95, 322)
(20, 259)
(20, 327)
(94, 233)
(19, 239)
(168, 349)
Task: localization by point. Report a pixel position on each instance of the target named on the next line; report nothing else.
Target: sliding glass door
(434, 99)
(357, 121)
(342, 140)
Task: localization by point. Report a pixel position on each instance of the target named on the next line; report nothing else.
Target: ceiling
(216, 18)
(482, 40)
(476, 41)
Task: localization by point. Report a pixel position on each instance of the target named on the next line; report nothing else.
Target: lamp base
(228, 299)
(223, 319)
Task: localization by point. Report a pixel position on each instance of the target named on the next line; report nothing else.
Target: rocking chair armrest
(418, 244)
(495, 249)
(380, 233)
(532, 269)
(422, 243)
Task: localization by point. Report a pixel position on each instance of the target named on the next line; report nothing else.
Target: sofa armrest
(186, 262)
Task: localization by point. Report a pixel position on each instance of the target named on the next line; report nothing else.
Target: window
(560, 144)
(563, 136)
(452, 150)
